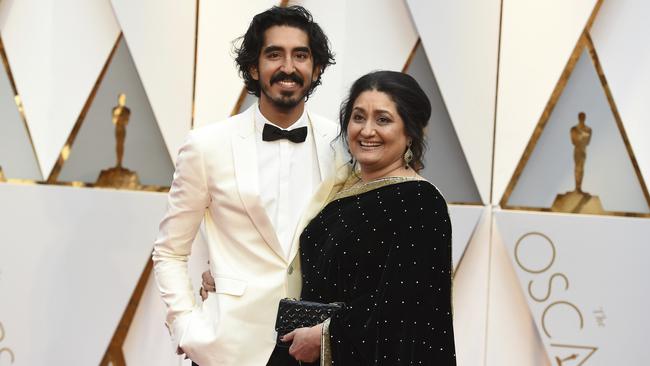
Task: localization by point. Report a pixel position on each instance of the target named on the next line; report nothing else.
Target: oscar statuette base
(577, 202)
(119, 178)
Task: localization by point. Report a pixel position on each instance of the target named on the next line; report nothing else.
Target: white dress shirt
(288, 176)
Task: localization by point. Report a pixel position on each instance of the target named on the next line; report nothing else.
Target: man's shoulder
(219, 129)
(322, 120)
(324, 125)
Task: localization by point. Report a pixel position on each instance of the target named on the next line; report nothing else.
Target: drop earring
(408, 156)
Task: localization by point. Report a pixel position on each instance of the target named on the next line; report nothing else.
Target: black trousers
(280, 357)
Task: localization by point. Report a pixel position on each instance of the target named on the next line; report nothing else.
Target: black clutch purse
(294, 314)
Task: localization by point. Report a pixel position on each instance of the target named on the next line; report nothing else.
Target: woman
(383, 243)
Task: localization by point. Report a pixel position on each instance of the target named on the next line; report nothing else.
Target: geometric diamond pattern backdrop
(506, 79)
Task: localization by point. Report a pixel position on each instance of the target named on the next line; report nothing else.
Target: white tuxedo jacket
(216, 181)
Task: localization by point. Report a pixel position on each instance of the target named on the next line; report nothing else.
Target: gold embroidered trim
(353, 187)
(325, 345)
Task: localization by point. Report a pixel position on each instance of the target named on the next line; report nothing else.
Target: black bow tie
(272, 133)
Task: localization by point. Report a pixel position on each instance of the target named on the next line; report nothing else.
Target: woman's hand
(207, 284)
(306, 343)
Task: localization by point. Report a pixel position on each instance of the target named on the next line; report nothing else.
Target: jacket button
(290, 270)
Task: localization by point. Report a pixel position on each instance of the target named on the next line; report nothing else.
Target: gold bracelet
(325, 345)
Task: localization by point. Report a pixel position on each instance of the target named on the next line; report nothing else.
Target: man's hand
(179, 351)
(207, 284)
(306, 343)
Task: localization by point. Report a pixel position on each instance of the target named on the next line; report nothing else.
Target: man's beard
(285, 101)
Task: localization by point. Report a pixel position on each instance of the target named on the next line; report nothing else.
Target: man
(254, 180)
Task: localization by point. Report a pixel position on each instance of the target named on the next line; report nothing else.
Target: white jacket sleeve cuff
(178, 329)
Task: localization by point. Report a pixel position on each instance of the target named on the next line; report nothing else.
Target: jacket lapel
(333, 170)
(246, 173)
(324, 133)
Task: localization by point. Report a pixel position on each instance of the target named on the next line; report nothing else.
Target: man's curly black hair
(248, 52)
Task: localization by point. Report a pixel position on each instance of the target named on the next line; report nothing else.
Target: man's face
(285, 67)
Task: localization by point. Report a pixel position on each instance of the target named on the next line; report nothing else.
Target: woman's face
(376, 132)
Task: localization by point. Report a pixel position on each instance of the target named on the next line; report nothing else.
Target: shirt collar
(260, 120)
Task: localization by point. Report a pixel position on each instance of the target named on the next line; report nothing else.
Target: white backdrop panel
(362, 43)
(464, 223)
(381, 41)
(218, 84)
(620, 34)
(470, 294)
(533, 56)
(71, 258)
(608, 174)
(56, 49)
(585, 279)
(461, 39)
(160, 35)
(17, 157)
(445, 164)
(331, 17)
(512, 338)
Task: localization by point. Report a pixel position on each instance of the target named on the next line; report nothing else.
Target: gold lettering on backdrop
(550, 282)
(600, 316)
(578, 201)
(558, 303)
(118, 176)
(6, 350)
(563, 354)
(560, 361)
(575, 353)
(517, 257)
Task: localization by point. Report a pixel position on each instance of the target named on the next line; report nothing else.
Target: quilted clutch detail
(294, 314)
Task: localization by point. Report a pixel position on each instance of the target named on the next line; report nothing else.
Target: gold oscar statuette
(118, 176)
(2, 176)
(578, 201)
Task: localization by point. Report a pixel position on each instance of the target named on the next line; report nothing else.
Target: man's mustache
(280, 76)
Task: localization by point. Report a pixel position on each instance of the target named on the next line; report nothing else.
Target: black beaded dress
(384, 249)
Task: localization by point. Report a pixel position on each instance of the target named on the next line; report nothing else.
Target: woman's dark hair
(248, 52)
(412, 104)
